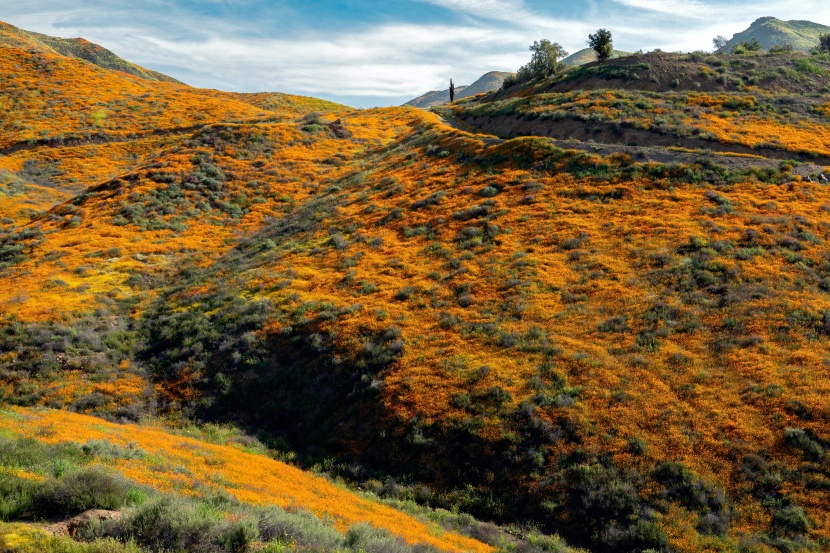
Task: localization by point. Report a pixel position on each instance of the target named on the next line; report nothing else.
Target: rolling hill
(77, 48)
(587, 55)
(486, 83)
(594, 306)
(770, 31)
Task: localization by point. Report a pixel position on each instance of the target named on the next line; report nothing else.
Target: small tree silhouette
(452, 92)
(602, 43)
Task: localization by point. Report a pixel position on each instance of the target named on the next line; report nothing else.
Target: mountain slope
(108, 105)
(76, 48)
(434, 98)
(770, 31)
(486, 83)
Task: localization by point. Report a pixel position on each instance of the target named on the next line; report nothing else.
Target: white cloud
(503, 10)
(682, 8)
(388, 61)
(391, 61)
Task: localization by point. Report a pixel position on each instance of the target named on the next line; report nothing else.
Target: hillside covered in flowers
(593, 307)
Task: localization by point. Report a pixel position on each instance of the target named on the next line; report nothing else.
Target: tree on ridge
(602, 43)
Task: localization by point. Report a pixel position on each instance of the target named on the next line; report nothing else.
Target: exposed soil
(70, 527)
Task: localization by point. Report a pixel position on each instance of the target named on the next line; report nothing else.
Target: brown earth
(70, 527)
(619, 134)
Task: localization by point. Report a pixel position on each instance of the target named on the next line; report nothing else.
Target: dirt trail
(645, 146)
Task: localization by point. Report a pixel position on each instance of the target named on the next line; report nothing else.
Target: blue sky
(365, 53)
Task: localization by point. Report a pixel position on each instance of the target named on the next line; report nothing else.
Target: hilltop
(770, 31)
(486, 83)
(77, 48)
(587, 55)
(661, 72)
(593, 306)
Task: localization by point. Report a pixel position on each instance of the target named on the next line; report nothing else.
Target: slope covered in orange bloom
(181, 465)
(534, 311)
(623, 344)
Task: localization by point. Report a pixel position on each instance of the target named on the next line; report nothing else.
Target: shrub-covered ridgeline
(622, 345)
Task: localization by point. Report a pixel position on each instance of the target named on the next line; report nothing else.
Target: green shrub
(165, 523)
(694, 493)
(299, 527)
(748, 46)
(88, 488)
(637, 446)
(16, 497)
(800, 439)
(615, 324)
(780, 49)
(107, 450)
(368, 539)
(238, 538)
(804, 66)
(405, 293)
(790, 521)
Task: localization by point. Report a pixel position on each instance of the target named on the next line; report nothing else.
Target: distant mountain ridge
(78, 48)
(770, 31)
(486, 83)
(494, 79)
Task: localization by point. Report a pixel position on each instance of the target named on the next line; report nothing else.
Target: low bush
(166, 524)
(694, 493)
(790, 521)
(800, 439)
(88, 488)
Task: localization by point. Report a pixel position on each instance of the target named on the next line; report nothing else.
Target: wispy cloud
(266, 45)
(501, 10)
(389, 61)
(677, 8)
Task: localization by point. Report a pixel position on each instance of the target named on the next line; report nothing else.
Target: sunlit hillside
(594, 306)
(770, 32)
(77, 48)
(232, 473)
